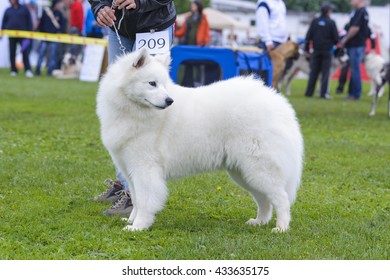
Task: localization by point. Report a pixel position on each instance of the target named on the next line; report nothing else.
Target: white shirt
(271, 21)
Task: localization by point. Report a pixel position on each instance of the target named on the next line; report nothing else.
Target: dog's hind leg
(268, 189)
(150, 196)
(388, 104)
(264, 207)
(374, 102)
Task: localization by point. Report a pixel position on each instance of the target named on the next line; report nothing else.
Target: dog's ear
(141, 59)
(164, 59)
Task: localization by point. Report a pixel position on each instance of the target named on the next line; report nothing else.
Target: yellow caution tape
(57, 37)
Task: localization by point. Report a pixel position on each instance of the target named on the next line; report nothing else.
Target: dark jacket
(359, 18)
(149, 15)
(323, 33)
(46, 25)
(17, 19)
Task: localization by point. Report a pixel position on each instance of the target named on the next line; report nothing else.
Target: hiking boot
(112, 193)
(122, 207)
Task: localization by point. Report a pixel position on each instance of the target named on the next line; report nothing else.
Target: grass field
(52, 161)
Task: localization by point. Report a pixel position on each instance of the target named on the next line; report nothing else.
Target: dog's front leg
(150, 196)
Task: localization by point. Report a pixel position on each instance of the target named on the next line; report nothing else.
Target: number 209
(151, 43)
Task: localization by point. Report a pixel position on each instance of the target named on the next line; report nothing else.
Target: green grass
(52, 161)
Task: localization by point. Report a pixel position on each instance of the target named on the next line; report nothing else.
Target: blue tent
(193, 66)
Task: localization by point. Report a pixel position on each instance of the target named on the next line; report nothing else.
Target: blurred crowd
(76, 17)
(73, 17)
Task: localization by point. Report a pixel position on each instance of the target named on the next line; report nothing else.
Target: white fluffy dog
(374, 64)
(239, 125)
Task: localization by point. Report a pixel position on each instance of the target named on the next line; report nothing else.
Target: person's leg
(315, 66)
(26, 55)
(114, 52)
(355, 85)
(41, 56)
(12, 54)
(325, 73)
(52, 58)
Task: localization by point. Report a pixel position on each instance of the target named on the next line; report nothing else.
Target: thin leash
(121, 47)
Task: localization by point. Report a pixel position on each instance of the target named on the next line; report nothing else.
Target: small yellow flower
(219, 188)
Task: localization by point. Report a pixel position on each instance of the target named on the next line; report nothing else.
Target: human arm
(3, 23)
(5, 20)
(335, 33)
(180, 31)
(262, 23)
(354, 27)
(29, 26)
(104, 15)
(309, 37)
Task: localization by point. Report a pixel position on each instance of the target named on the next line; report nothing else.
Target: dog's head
(68, 60)
(341, 55)
(143, 79)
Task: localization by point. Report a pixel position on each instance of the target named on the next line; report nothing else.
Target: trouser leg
(12, 53)
(325, 73)
(315, 66)
(26, 57)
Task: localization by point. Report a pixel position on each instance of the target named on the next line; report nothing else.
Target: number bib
(154, 42)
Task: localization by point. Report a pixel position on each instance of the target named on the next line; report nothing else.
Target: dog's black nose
(169, 101)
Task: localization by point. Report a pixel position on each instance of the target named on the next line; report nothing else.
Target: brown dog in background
(279, 57)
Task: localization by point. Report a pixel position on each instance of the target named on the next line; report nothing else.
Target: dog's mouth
(155, 106)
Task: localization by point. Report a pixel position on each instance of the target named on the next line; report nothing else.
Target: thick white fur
(374, 64)
(239, 125)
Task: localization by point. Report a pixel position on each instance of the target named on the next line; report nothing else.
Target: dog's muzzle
(168, 101)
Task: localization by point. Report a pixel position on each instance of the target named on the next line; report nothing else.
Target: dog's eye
(153, 84)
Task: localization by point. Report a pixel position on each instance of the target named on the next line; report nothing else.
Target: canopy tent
(217, 20)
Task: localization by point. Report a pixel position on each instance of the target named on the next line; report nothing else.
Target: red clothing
(77, 15)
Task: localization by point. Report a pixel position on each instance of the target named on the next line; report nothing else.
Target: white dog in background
(156, 130)
(374, 64)
(70, 68)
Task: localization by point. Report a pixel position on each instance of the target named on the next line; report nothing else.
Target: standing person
(355, 42)
(323, 35)
(271, 23)
(139, 16)
(17, 17)
(76, 24)
(195, 30)
(345, 69)
(52, 21)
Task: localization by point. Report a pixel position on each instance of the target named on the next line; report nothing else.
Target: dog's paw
(256, 222)
(253, 222)
(279, 229)
(133, 228)
(371, 114)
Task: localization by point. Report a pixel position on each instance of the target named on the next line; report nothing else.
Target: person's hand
(270, 47)
(128, 4)
(307, 55)
(106, 17)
